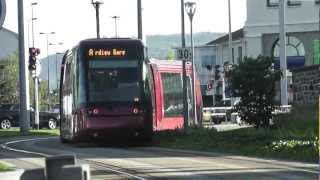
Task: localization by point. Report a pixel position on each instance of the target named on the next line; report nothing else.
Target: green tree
(170, 55)
(9, 79)
(254, 81)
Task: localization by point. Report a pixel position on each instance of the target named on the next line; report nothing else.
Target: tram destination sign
(2, 12)
(99, 52)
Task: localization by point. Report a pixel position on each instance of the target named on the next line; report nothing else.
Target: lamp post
(36, 78)
(115, 25)
(184, 73)
(96, 5)
(191, 10)
(24, 86)
(48, 66)
(139, 10)
(33, 19)
(283, 53)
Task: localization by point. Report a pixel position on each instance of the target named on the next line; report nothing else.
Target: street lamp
(47, 36)
(115, 24)
(191, 10)
(96, 5)
(33, 19)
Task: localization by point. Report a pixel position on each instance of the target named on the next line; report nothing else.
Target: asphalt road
(108, 162)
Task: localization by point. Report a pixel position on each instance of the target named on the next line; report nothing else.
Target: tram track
(95, 165)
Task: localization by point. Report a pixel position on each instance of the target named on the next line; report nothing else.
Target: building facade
(302, 27)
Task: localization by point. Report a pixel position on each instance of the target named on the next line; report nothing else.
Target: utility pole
(231, 60)
(184, 73)
(191, 10)
(139, 10)
(36, 75)
(283, 54)
(97, 5)
(115, 25)
(23, 75)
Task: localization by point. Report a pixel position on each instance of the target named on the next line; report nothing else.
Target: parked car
(9, 117)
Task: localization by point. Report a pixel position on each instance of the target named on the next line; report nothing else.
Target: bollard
(76, 172)
(38, 174)
(54, 165)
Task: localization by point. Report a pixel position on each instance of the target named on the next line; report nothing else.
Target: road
(109, 162)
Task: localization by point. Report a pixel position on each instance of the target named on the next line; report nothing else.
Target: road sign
(2, 12)
(184, 54)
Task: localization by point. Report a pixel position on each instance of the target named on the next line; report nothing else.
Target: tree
(170, 55)
(254, 81)
(9, 79)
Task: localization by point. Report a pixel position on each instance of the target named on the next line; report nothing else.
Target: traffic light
(33, 53)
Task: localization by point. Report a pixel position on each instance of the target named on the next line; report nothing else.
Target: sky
(74, 20)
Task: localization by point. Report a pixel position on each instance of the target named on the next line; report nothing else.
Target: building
(260, 36)
(8, 43)
(302, 26)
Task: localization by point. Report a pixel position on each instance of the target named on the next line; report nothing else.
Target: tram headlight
(135, 111)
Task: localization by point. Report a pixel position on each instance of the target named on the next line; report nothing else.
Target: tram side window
(172, 94)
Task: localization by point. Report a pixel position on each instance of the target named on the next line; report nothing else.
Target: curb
(310, 167)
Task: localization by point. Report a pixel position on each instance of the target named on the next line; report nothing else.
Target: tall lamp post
(35, 73)
(96, 5)
(32, 20)
(139, 10)
(115, 18)
(191, 10)
(184, 72)
(283, 53)
(48, 66)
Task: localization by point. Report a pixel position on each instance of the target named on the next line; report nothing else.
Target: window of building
(294, 3)
(208, 60)
(272, 3)
(294, 47)
(275, 3)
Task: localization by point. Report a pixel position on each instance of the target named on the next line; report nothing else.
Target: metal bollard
(55, 164)
(76, 172)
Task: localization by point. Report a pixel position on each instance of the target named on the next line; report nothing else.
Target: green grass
(15, 132)
(293, 137)
(4, 167)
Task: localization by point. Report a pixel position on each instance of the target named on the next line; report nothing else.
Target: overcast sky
(74, 20)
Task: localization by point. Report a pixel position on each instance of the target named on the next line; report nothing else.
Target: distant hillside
(159, 46)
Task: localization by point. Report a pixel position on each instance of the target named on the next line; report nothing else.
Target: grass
(15, 132)
(293, 137)
(4, 167)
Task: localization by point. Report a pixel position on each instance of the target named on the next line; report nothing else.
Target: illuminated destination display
(107, 52)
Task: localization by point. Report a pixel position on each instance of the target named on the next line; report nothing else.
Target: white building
(302, 26)
(260, 36)
(8, 43)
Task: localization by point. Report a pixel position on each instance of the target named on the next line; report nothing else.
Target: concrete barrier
(76, 172)
(54, 165)
(33, 174)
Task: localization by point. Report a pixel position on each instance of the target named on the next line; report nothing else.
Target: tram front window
(113, 81)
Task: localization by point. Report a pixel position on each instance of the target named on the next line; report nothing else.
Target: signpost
(2, 12)
(184, 54)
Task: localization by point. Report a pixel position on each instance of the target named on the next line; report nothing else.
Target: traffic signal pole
(23, 76)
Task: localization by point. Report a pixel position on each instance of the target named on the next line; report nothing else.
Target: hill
(159, 46)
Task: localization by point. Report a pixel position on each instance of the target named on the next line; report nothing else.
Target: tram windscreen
(113, 80)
